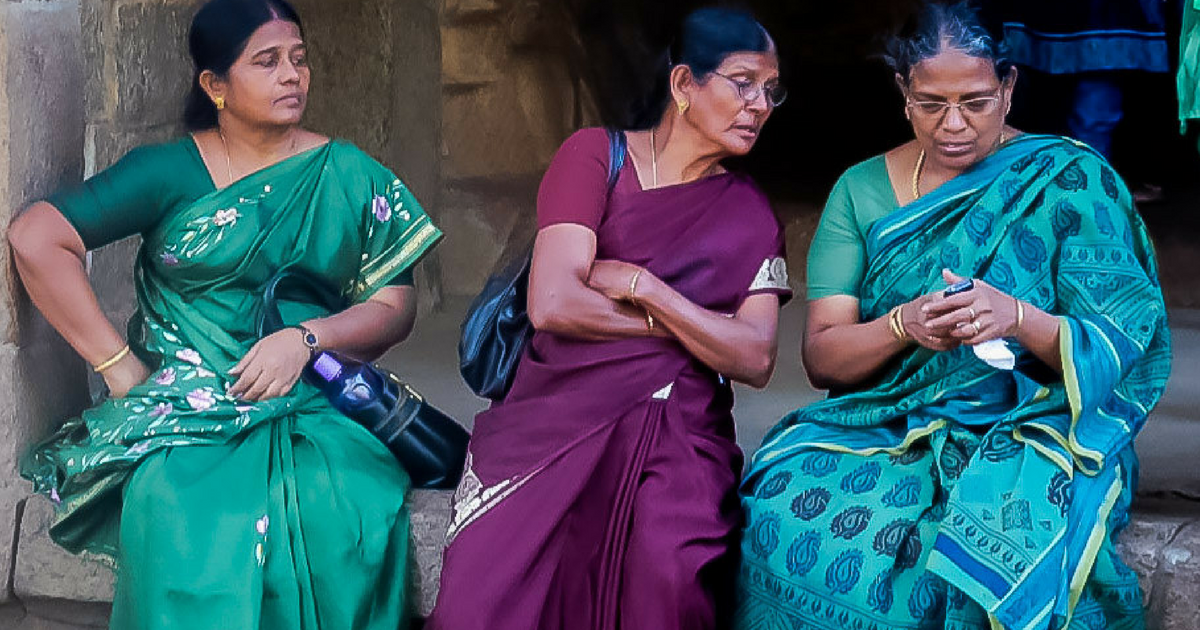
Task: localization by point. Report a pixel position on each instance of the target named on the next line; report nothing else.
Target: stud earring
(219, 102)
(683, 107)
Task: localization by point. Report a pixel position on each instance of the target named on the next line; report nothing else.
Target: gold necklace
(916, 178)
(228, 158)
(920, 167)
(653, 159)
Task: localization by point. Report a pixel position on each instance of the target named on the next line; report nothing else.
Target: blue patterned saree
(950, 494)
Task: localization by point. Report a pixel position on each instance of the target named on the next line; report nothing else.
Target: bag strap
(293, 283)
(616, 156)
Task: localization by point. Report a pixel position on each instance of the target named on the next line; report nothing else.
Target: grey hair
(942, 27)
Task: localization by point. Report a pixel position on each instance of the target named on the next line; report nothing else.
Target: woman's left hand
(981, 314)
(612, 278)
(271, 368)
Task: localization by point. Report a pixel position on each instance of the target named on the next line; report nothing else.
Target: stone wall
(509, 101)
(41, 133)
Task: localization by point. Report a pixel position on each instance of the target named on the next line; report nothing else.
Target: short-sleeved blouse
(837, 258)
(150, 184)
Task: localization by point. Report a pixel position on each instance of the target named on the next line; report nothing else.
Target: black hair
(941, 27)
(217, 37)
(705, 38)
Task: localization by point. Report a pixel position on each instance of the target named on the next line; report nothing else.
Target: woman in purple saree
(601, 492)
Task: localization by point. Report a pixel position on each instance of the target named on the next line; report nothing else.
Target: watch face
(310, 340)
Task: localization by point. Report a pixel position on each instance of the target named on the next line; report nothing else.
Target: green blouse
(150, 184)
(837, 257)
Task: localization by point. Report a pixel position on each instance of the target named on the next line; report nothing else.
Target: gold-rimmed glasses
(977, 107)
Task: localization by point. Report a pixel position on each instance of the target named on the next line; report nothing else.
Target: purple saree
(601, 493)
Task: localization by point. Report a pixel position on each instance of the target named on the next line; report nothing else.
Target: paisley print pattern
(811, 503)
(844, 572)
(775, 486)
(851, 522)
(803, 554)
(905, 493)
(862, 479)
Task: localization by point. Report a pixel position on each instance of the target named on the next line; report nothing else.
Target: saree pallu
(601, 493)
(948, 494)
(219, 513)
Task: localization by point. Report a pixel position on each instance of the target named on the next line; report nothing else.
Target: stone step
(1162, 544)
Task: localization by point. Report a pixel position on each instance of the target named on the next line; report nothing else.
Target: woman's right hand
(916, 324)
(125, 375)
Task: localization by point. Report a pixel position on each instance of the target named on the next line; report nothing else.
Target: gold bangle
(649, 322)
(1020, 313)
(896, 323)
(632, 297)
(116, 358)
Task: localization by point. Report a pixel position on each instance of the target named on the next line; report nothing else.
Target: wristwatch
(309, 337)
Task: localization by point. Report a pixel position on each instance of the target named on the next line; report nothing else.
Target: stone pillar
(132, 74)
(41, 136)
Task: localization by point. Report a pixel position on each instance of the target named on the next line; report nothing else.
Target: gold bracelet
(649, 322)
(632, 297)
(896, 323)
(1020, 314)
(116, 358)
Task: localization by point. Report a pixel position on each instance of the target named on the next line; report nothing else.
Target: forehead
(952, 73)
(752, 63)
(272, 34)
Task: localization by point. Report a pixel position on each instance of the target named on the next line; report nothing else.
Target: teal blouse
(150, 184)
(837, 257)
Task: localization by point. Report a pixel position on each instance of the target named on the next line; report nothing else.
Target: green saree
(224, 514)
(950, 494)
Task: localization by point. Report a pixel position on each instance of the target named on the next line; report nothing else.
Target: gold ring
(976, 325)
(971, 309)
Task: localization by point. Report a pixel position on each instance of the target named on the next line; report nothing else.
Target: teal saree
(947, 493)
(219, 513)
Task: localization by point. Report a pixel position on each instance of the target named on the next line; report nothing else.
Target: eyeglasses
(970, 108)
(750, 91)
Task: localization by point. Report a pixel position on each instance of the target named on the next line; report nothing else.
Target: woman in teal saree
(226, 493)
(934, 489)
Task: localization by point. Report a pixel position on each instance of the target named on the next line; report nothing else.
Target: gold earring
(683, 107)
(219, 102)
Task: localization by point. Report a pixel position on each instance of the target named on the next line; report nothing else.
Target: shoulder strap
(616, 156)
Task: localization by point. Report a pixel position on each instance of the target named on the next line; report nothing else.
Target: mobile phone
(959, 287)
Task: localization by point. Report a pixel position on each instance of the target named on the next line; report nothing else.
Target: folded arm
(560, 300)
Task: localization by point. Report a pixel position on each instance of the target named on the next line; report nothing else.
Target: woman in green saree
(954, 479)
(227, 494)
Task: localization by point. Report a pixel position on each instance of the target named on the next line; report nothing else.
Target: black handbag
(496, 328)
(430, 445)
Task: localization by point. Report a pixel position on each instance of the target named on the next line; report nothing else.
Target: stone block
(45, 571)
(350, 52)
(430, 517)
(1174, 603)
(483, 219)
(151, 70)
(41, 118)
(508, 103)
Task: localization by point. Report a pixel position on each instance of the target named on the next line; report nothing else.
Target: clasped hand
(972, 317)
